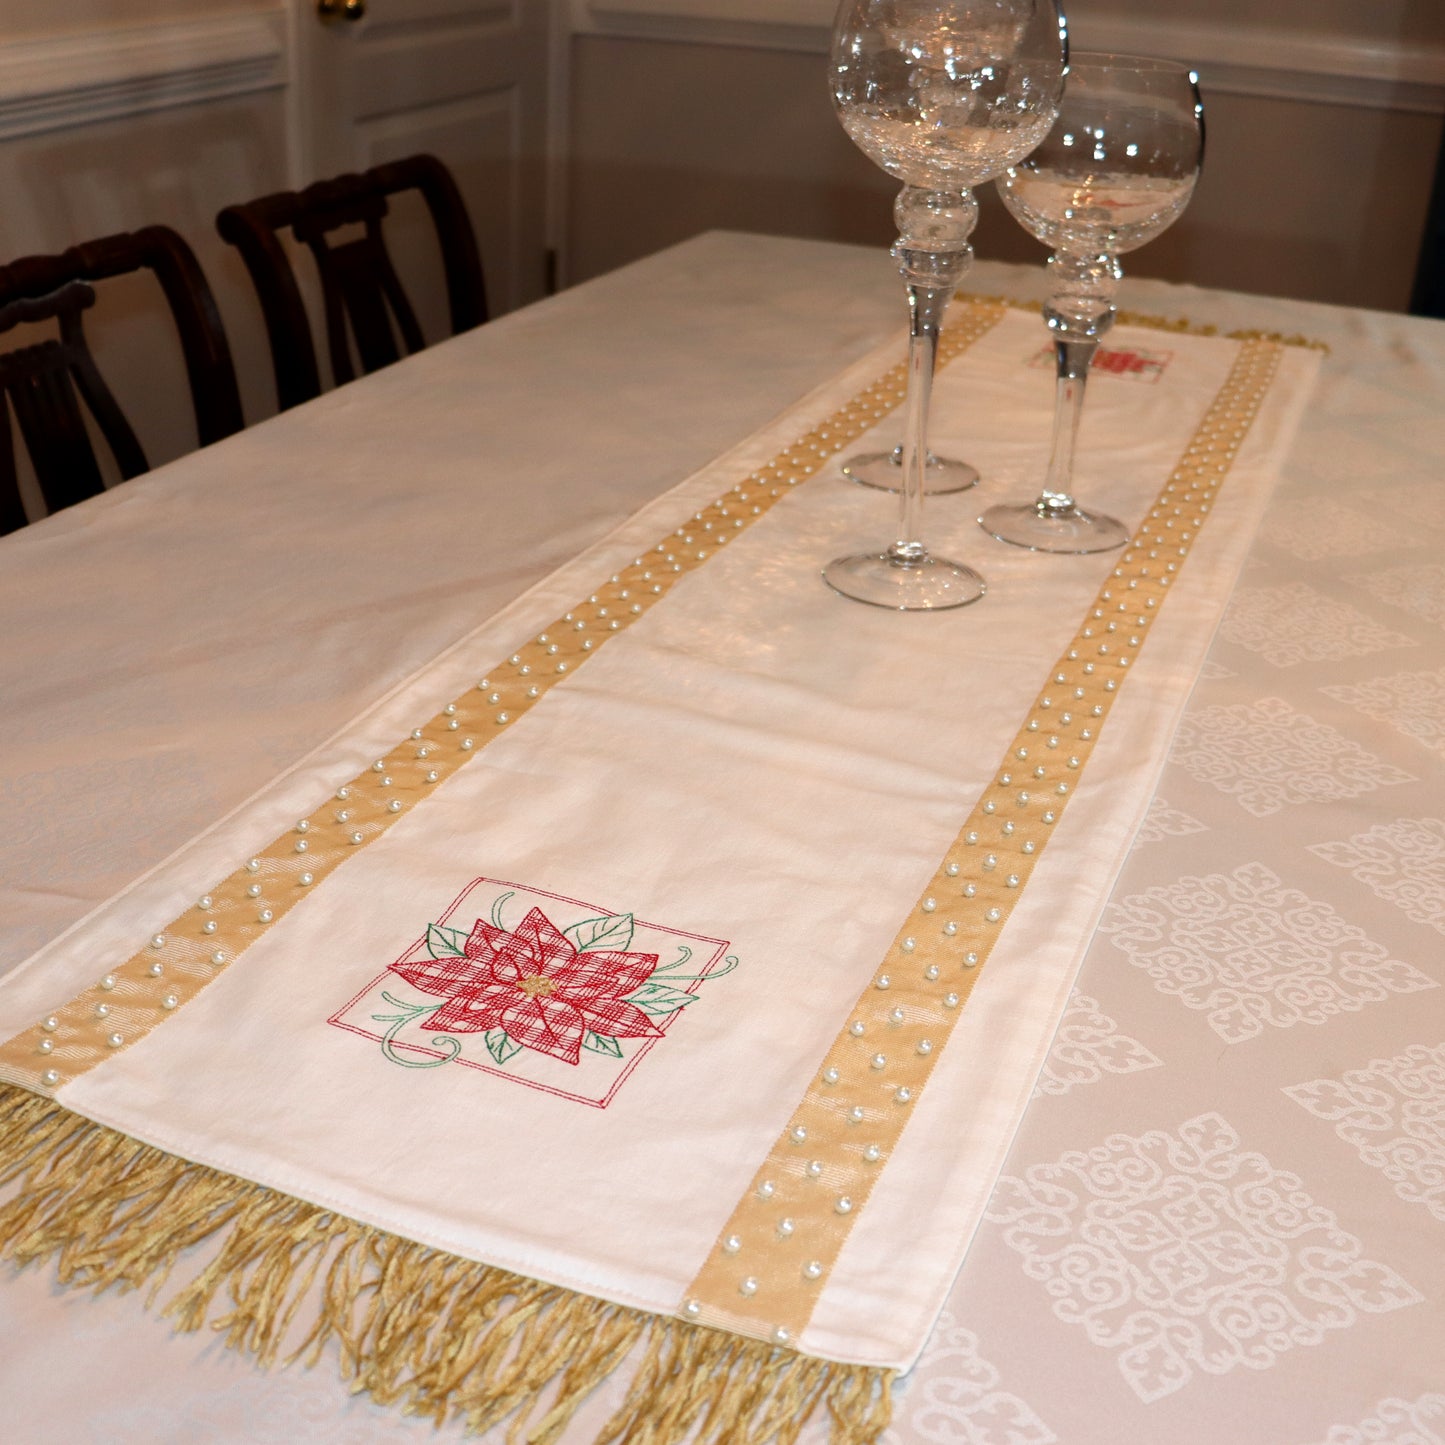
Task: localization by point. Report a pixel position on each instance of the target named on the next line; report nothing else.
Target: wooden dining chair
(361, 292)
(45, 383)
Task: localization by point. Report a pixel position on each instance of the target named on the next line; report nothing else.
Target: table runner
(136, 1095)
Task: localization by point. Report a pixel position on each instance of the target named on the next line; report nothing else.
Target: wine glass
(1118, 168)
(943, 94)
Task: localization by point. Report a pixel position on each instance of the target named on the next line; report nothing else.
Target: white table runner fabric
(757, 763)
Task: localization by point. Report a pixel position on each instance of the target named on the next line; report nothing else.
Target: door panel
(463, 79)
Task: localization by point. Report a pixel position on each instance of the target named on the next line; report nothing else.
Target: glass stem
(930, 277)
(1073, 357)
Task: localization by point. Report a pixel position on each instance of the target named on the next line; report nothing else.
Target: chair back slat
(52, 384)
(369, 320)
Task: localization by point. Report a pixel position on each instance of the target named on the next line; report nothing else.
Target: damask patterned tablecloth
(1223, 1215)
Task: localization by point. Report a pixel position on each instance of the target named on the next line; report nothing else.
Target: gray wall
(1322, 199)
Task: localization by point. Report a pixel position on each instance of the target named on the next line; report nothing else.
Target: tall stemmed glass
(1118, 167)
(943, 94)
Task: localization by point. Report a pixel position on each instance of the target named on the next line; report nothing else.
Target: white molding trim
(1236, 60)
(107, 72)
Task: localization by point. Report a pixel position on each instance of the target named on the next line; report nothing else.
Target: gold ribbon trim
(774, 1256)
(161, 977)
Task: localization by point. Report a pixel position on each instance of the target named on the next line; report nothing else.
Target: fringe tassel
(436, 1335)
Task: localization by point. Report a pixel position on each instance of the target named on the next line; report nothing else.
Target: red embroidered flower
(537, 986)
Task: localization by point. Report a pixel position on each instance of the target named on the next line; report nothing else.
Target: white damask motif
(1415, 501)
(1403, 862)
(1087, 1046)
(1162, 821)
(1393, 1112)
(1396, 1422)
(1413, 702)
(953, 1398)
(1295, 623)
(1248, 951)
(1419, 588)
(1184, 1253)
(1327, 529)
(1266, 755)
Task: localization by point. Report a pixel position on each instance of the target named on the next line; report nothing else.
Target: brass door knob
(341, 9)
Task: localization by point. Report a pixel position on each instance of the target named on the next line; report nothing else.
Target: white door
(462, 79)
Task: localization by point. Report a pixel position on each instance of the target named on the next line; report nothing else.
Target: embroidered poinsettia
(535, 984)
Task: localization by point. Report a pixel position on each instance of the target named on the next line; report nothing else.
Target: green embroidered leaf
(497, 909)
(444, 942)
(601, 1044)
(602, 932)
(659, 998)
(501, 1046)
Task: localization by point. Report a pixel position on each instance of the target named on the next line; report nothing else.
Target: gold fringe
(438, 1336)
(1178, 325)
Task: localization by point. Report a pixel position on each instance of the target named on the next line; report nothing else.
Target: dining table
(1221, 1215)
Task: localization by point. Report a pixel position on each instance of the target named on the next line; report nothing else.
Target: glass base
(928, 585)
(884, 470)
(1054, 529)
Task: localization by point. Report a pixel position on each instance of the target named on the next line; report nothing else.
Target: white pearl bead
(467, 745)
(51, 1024)
(908, 945)
(209, 926)
(692, 1309)
(798, 1134)
(254, 891)
(929, 904)
(931, 972)
(50, 1078)
(950, 929)
(254, 866)
(856, 1028)
(883, 981)
(265, 916)
(115, 1041)
(156, 970)
(748, 1287)
(356, 837)
(903, 1095)
(872, 1154)
(879, 1061)
(785, 1227)
(46, 1045)
(732, 1244)
(450, 709)
(781, 1335)
(394, 806)
(812, 1270)
(950, 1000)
(993, 915)
(952, 870)
(830, 1076)
(844, 1205)
(432, 776)
(856, 1114)
(925, 1046)
(102, 1010)
(766, 1189)
(343, 815)
(169, 1001)
(205, 903)
(159, 941)
(218, 957)
(306, 879)
(108, 982)
(303, 826)
(302, 845)
(815, 1168)
(970, 959)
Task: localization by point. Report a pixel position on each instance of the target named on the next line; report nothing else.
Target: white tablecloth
(1223, 1215)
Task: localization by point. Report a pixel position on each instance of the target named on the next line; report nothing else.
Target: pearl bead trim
(773, 1281)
